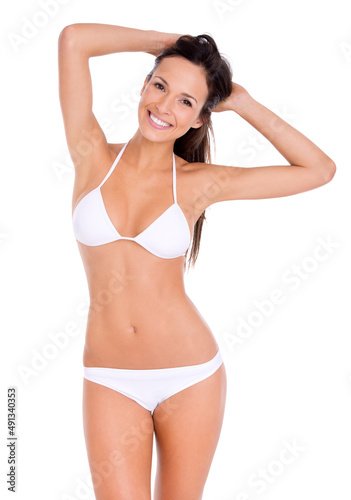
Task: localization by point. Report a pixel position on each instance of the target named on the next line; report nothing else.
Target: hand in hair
(165, 40)
(238, 94)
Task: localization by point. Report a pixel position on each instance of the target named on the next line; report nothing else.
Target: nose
(164, 105)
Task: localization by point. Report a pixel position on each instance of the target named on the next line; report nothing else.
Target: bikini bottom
(150, 387)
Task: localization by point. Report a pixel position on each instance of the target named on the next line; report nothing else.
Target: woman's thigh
(187, 436)
(119, 437)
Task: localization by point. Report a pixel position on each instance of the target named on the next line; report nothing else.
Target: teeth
(159, 122)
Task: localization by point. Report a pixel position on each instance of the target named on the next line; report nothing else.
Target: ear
(143, 88)
(199, 122)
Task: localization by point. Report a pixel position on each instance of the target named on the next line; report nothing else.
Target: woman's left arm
(309, 166)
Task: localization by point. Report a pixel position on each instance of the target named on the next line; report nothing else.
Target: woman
(151, 362)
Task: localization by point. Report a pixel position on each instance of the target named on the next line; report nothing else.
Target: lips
(156, 122)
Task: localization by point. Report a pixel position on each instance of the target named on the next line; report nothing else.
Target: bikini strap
(174, 180)
(113, 165)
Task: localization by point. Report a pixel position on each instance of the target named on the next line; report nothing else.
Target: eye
(159, 86)
(188, 103)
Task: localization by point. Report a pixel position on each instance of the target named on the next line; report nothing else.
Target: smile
(157, 122)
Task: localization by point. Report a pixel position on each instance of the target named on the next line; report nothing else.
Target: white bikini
(168, 237)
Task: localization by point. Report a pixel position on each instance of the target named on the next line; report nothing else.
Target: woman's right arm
(77, 43)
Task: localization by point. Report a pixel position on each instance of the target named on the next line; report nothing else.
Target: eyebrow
(183, 93)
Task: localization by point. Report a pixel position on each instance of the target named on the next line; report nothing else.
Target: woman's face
(172, 99)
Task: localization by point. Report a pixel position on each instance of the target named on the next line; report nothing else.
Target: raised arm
(77, 43)
(309, 166)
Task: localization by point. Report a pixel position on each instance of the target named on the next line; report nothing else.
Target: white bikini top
(167, 237)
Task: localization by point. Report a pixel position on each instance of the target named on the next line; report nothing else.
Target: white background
(289, 380)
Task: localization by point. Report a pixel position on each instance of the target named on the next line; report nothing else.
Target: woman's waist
(167, 338)
(142, 312)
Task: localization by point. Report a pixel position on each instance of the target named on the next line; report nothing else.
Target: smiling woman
(160, 95)
(151, 362)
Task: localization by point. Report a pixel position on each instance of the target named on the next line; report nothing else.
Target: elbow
(323, 173)
(329, 172)
(66, 35)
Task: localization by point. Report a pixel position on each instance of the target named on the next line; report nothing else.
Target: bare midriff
(140, 316)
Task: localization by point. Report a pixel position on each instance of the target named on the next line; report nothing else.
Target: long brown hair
(195, 144)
